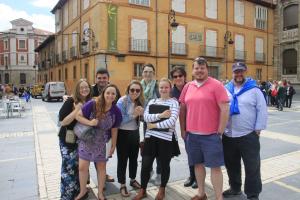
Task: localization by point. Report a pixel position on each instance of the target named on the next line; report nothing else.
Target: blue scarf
(234, 107)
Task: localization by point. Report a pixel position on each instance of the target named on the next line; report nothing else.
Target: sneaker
(189, 182)
(195, 185)
(230, 193)
(157, 179)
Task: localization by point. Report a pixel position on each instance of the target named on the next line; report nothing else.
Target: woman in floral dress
(105, 116)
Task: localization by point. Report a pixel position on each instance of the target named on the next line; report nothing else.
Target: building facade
(287, 44)
(122, 35)
(17, 56)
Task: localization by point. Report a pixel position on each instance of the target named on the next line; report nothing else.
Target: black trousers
(247, 148)
(192, 167)
(127, 148)
(288, 100)
(162, 150)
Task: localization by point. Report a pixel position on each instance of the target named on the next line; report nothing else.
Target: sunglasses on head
(178, 76)
(201, 61)
(132, 90)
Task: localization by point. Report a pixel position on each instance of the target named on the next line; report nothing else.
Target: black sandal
(124, 192)
(135, 184)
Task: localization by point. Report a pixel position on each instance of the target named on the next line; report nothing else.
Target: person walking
(178, 75)
(105, 116)
(69, 184)
(290, 92)
(248, 116)
(150, 90)
(160, 140)
(203, 117)
(132, 108)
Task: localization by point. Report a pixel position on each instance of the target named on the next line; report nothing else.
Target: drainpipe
(156, 35)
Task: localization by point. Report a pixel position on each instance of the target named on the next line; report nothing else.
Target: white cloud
(7, 14)
(44, 4)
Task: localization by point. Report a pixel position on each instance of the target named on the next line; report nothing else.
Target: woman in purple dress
(103, 114)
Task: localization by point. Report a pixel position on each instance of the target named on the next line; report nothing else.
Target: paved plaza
(30, 159)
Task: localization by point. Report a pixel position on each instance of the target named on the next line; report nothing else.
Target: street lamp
(172, 24)
(34, 67)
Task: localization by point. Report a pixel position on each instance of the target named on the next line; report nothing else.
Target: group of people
(219, 125)
(278, 93)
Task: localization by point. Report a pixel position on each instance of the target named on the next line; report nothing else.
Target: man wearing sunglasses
(203, 117)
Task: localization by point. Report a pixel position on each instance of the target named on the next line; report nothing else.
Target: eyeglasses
(200, 61)
(178, 76)
(132, 90)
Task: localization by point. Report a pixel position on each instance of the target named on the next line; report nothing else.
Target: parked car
(37, 90)
(54, 90)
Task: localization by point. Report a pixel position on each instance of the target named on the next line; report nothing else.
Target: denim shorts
(205, 149)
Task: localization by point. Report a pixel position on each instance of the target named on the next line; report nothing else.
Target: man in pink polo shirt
(204, 113)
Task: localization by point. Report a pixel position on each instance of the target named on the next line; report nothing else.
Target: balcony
(85, 49)
(212, 52)
(73, 52)
(65, 56)
(179, 49)
(290, 35)
(139, 45)
(260, 57)
(240, 55)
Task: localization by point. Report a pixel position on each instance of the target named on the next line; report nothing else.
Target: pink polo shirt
(203, 112)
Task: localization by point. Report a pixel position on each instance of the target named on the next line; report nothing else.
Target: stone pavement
(48, 164)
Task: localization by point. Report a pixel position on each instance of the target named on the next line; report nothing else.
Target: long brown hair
(77, 96)
(100, 101)
(140, 100)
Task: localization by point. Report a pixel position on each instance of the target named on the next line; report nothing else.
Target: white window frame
(239, 12)
(178, 6)
(66, 15)
(179, 37)
(259, 48)
(86, 4)
(74, 9)
(25, 46)
(211, 37)
(211, 9)
(20, 61)
(5, 45)
(239, 46)
(261, 17)
(139, 31)
(140, 2)
(137, 70)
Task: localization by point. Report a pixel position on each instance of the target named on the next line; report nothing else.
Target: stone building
(17, 56)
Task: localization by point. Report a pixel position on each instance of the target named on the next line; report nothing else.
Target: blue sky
(36, 11)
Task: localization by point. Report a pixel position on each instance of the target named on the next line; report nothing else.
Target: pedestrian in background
(290, 92)
(160, 138)
(150, 88)
(69, 185)
(281, 95)
(132, 108)
(203, 117)
(178, 75)
(105, 116)
(248, 116)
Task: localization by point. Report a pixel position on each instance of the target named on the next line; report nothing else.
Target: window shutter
(139, 29)
(259, 45)
(239, 42)
(178, 5)
(211, 8)
(178, 36)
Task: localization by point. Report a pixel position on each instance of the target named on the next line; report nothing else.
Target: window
(22, 78)
(86, 70)
(258, 74)
(178, 6)
(289, 63)
(239, 47)
(74, 39)
(139, 35)
(22, 44)
(211, 9)
(290, 17)
(86, 4)
(213, 71)
(5, 61)
(259, 50)
(178, 41)
(66, 74)
(74, 9)
(59, 75)
(86, 26)
(66, 15)
(211, 43)
(140, 2)
(22, 58)
(51, 76)
(57, 20)
(6, 78)
(239, 12)
(74, 72)
(138, 70)
(261, 16)
(5, 45)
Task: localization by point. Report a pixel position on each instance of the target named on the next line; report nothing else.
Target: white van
(54, 90)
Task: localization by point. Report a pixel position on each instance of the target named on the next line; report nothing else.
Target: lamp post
(227, 40)
(172, 24)
(34, 68)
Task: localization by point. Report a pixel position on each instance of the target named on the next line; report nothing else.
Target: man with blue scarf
(248, 116)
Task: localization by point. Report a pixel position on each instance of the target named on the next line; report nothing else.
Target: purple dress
(96, 150)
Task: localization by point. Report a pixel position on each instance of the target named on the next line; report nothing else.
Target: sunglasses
(132, 90)
(178, 76)
(201, 61)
